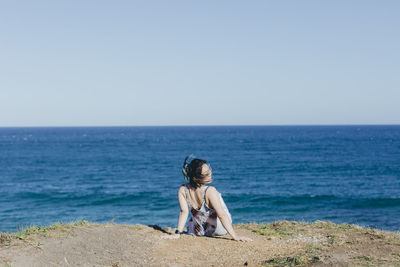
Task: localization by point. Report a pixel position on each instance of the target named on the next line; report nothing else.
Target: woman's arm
(183, 215)
(215, 202)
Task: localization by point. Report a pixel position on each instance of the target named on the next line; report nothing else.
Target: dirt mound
(280, 243)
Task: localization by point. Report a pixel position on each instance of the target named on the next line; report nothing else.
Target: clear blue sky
(77, 63)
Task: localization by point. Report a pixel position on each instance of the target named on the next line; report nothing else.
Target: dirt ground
(280, 243)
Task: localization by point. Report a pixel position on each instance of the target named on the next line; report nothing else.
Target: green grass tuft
(5, 239)
(25, 234)
(279, 228)
(43, 230)
(305, 258)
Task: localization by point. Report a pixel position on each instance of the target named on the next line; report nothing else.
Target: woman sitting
(210, 215)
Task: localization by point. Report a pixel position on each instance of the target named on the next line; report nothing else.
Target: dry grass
(58, 230)
(305, 257)
(330, 243)
(28, 234)
(5, 239)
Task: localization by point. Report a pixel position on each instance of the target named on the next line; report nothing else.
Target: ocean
(130, 175)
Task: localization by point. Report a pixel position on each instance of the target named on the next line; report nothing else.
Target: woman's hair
(192, 169)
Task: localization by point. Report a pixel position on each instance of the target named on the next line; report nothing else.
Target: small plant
(307, 257)
(24, 233)
(325, 224)
(44, 231)
(265, 230)
(5, 239)
(331, 225)
(282, 228)
(365, 258)
(345, 226)
(81, 223)
(302, 260)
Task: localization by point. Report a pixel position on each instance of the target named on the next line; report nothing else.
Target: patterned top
(204, 221)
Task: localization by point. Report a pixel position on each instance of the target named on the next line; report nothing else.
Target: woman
(209, 213)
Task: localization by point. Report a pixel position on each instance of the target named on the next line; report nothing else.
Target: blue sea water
(265, 173)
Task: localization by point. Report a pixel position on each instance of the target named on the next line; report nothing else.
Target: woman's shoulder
(182, 187)
(212, 189)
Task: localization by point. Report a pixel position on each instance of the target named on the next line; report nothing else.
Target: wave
(327, 200)
(84, 200)
(293, 198)
(375, 203)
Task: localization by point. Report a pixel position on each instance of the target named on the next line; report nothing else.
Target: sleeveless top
(204, 221)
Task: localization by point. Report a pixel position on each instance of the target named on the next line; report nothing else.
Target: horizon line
(198, 125)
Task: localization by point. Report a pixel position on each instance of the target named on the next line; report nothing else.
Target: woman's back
(197, 196)
(204, 219)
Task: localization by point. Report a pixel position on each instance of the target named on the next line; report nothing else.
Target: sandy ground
(277, 244)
